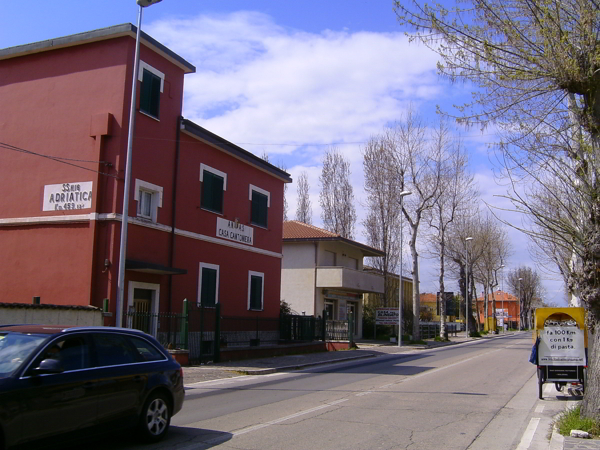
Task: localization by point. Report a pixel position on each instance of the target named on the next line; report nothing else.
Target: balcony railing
(351, 279)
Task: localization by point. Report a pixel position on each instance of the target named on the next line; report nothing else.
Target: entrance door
(142, 302)
(352, 308)
(329, 310)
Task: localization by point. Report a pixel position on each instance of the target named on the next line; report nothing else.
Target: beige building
(322, 271)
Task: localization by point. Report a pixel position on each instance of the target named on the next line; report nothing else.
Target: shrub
(572, 420)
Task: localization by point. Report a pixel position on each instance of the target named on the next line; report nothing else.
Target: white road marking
(364, 393)
(539, 409)
(528, 435)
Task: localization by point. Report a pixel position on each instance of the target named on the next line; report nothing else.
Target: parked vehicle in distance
(77, 381)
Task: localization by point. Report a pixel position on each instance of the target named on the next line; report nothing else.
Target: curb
(557, 441)
(296, 366)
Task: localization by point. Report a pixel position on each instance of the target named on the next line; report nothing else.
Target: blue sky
(289, 79)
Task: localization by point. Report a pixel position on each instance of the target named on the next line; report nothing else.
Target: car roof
(56, 329)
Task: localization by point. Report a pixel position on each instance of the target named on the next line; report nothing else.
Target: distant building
(322, 271)
(506, 304)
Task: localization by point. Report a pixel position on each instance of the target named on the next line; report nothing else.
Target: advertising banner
(561, 346)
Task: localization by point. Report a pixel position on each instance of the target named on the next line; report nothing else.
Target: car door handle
(90, 384)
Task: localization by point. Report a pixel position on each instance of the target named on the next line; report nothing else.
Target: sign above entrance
(67, 196)
(235, 231)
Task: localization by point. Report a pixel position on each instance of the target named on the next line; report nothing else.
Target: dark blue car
(76, 381)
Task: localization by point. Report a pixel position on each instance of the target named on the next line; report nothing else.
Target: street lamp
(123, 245)
(467, 287)
(520, 307)
(402, 195)
(502, 290)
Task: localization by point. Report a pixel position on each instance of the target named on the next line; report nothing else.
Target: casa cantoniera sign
(561, 346)
(234, 231)
(67, 196)
(386, 316)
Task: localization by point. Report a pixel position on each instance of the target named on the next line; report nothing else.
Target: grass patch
(474, 334)
(572, 420)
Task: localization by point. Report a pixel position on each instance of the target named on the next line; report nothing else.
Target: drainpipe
(174, 209)
(315, 286)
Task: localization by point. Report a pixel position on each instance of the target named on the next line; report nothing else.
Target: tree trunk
(416, 295)
(442, 296)
(590, 406)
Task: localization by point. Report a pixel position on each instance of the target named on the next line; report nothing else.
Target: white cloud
(291, 93)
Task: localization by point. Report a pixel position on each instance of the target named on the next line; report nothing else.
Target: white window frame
(157, 197)
(155, 298)
(261, 191)
(262, 292)
(149, 68)
(208, 266)
(204, 167)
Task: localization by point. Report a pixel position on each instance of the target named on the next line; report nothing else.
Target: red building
(205, 216)
(505, 302)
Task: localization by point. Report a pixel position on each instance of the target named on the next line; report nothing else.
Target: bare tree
(495, 249)
(303, 208)
(383, 214)
(457, 193)
(527, 287)
(538, 64)
(419, 169)
(337, 198)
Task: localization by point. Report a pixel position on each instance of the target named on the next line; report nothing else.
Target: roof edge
(369, 251)
(217, 141)
(126, 29)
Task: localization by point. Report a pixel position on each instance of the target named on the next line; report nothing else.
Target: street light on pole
(520, 307)
(467, 287)
(502, 290)
(123, 244)
(402, 195)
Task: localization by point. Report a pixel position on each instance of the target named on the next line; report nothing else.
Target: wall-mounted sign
(386, 316)
(235, 231)
(67, 196)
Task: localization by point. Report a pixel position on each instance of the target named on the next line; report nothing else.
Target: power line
(59, 159)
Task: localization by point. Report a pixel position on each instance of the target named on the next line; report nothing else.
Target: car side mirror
(48, 366)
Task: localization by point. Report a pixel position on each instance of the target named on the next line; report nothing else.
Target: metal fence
(204, 331)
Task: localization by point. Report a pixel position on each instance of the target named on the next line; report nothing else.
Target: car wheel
(155, 418)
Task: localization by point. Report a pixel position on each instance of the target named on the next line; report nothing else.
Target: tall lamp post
(520, 307)
(467, 240)
(123, 245)
(502, 290)
(402, 195)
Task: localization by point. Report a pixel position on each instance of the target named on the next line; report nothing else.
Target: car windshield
(15, 348)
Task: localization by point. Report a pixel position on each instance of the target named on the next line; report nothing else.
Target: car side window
(72, 353)
(147, 351)
(113, 350)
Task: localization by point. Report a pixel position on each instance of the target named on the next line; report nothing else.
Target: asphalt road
(477, 395)
(457, 397)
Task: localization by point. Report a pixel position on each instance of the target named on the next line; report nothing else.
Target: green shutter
(212, 192)
(259, 209)
(150, 94)
(255, 292)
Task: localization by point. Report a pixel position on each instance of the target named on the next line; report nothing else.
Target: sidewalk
(262, 366)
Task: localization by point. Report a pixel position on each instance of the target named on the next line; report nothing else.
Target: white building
(322, 271)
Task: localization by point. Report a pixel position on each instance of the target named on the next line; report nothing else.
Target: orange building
(504, 302)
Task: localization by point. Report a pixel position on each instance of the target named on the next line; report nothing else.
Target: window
(328, 258)
(147, 351)
(209, 285)
(152, 85)
(72, 354)
(113, 350)
(149, 197)
(255, 290)
(260, 201)
(214, 183)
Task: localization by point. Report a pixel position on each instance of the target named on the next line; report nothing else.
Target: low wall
(23, 313)
(236, 354)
